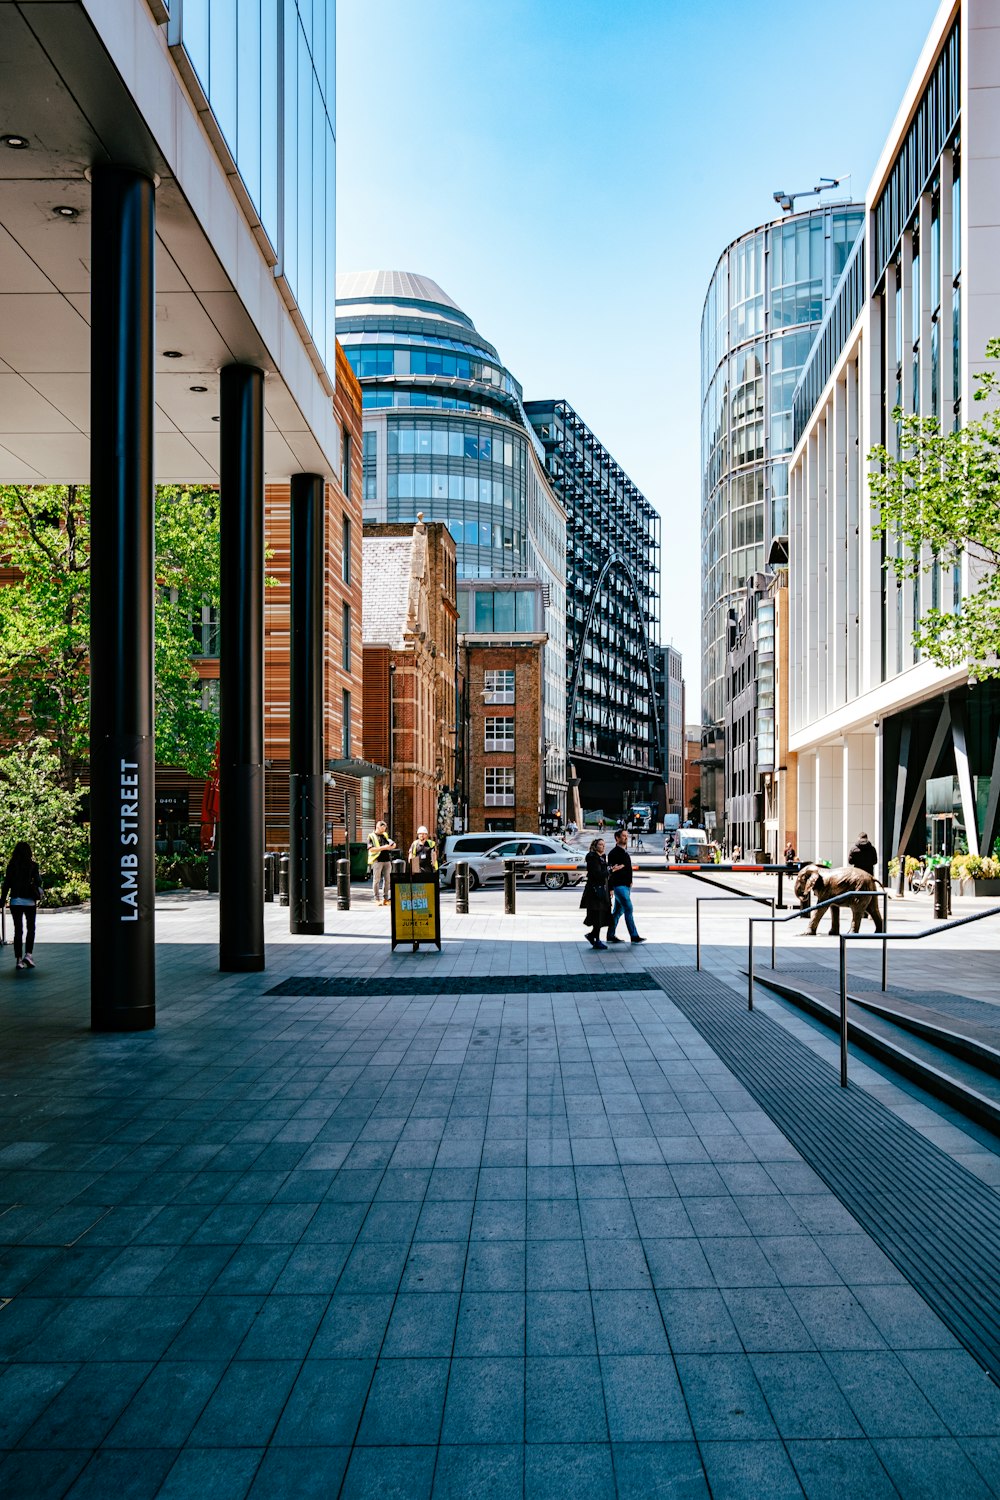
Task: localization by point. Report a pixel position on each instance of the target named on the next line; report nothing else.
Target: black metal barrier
(283, 865)
(343, 885)
(270, 874)
(706, 871)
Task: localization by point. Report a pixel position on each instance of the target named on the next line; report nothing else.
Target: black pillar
(241, 688)
(307, 905)
(122, 791)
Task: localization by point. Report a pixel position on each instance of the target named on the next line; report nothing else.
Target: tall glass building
(768, 295)
(614, 714)
(446, 434)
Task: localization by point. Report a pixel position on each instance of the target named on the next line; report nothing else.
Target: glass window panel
(504, 612)
(525, 610)
(484, 611)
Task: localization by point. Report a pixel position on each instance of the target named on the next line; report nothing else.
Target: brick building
(505, 747)
(410, 673)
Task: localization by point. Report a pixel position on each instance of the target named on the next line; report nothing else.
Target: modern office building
(612, 615)
(766, 298)
(886, 740)
(446, 434)
(166, 260)
(668, 672)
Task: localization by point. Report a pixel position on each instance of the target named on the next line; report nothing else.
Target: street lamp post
(392, 748)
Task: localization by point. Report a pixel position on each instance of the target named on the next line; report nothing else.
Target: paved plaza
(529, 1239)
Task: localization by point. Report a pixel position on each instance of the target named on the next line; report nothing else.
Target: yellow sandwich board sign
(416, 910)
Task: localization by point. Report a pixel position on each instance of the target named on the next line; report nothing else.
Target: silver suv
(538, 858)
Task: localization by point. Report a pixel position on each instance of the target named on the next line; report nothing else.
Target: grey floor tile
(560, 1323)
(490, 1323)
(835, 1318)
(422, 1324)
(164, 1410)
(618, 1265)
(246, 1404)
(214, 1473)
(325, 1404)
(831, 1469)
(485, 1402)
(962, 1393)
(25, 1391)
(724, 1400)
(299, 1474)
(564, 1401)
(137, 1475)
(628, 1322)
(556, 1265)
(739, 1471)
(552, 1469)
(803, 1397)
(672, 1471)
(697, 1321)
(434, 1267)
(283, 1327)
(931, 1469)
(885, 1400)
(984, 1453)
(766, 1319)
(87, 1407)
(677, 1263)
(643, 1399)
(483, 1472)
(495, 1266)
(405, 1403)
(903, 1318)
(317, 1268)
(44, 1475)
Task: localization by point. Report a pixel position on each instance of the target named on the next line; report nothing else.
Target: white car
(538, 857)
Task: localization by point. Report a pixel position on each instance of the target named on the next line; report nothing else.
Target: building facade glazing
(267, 71)
(768, 294)
(612, 613)
(446, 435)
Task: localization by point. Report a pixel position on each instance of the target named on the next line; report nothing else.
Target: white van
(688, 846)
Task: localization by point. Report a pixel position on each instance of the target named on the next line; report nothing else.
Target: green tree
(45, 620)
(37, 806)
(938, 501)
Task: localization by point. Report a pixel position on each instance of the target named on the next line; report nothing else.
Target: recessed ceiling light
(66, 211)
(199, 388)
(172, 354)
(15, 142)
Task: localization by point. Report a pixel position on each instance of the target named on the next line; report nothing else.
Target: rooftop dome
(377, 291)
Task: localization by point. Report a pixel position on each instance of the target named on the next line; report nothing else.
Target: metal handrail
(808, 911)
(761, 901)
(884, 938)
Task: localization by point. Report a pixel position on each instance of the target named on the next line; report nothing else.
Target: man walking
(380, 847)
(620, 882)
(864, 855)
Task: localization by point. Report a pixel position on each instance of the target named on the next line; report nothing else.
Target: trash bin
(359, 861)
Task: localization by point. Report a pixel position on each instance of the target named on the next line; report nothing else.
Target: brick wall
(526, 711)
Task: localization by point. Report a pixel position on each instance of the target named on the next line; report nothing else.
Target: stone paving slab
(528, 1244)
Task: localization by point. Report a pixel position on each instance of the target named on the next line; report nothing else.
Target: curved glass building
(445, 433)
(768, 295)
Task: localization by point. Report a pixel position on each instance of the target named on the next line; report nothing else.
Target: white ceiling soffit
(70, 103)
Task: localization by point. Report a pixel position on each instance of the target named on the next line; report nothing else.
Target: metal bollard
(269, 860)
(940, 893)
(462, 888)
(509, 888)
(343, 885)
(399, 866)
(283, 864)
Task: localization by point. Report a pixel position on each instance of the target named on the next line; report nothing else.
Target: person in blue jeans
(620, 882)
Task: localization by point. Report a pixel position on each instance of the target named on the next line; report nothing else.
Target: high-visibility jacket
(425, 852)
(377, 847)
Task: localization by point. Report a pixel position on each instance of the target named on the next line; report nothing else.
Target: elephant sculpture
(813, 884)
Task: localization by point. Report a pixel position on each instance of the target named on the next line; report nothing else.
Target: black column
(122, 792)
(307, 906)
(241, 688)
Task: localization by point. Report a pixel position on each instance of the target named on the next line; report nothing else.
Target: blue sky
(569, 171)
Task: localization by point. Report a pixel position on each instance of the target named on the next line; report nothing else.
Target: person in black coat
(596, 899)
(864, 855)
(23, 883)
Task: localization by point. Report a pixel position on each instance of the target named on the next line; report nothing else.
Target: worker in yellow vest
(423, 855)
(380, 849)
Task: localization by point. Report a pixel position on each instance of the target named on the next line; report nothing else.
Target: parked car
(540, 859)
(459, 846)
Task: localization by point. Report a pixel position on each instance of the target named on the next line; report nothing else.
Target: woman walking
(596, 898)
(24, 885)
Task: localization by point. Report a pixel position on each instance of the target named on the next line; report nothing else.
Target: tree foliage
(45, 620)
(938, 502)
(37, 806)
